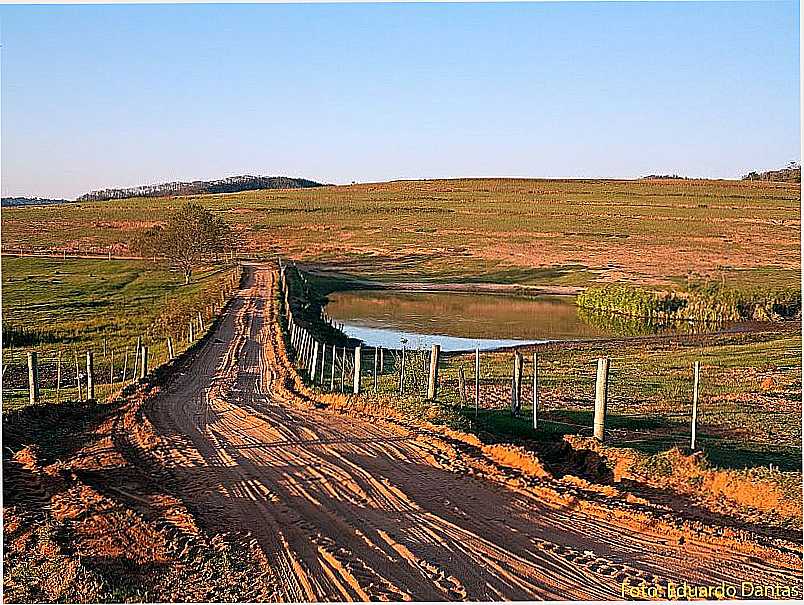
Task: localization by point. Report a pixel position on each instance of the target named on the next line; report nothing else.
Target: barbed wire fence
(57, 374)
(686, 403)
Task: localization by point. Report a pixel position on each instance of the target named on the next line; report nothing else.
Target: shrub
(702, 302)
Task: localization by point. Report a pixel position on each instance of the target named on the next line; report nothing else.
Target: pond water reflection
(462, 321)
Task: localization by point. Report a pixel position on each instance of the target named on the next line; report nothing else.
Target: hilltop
(789, 174)
(230, 184)
(523, 231)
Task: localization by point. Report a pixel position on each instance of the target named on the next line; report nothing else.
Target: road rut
(349, 508)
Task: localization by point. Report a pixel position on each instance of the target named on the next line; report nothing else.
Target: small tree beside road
(190, 233)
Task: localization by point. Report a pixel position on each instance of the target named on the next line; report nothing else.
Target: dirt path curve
(351, 509)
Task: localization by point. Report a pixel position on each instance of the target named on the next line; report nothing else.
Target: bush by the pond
(21, 336)
(701, 302)
(619, 324)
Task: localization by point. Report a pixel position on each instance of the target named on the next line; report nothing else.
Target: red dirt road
(351, 508)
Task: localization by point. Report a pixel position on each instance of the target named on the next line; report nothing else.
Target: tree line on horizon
(231, 184)
(789, 174)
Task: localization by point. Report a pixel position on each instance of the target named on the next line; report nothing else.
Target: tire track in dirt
(355, 509)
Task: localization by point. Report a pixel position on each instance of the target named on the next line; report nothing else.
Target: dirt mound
(756, 495)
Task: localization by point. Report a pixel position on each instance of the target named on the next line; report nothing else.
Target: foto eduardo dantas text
(685, 591)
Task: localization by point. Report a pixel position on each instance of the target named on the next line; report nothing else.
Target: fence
(94, 373)
(113, 252)
(649, 404)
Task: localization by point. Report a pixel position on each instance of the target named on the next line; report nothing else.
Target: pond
(463, 321)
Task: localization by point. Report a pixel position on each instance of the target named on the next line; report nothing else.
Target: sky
(115, 96)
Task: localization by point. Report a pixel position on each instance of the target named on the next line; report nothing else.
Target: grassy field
(749, 408)
(75, 305)
(493, 230)
(750, 390)
(750, 395)
(652, 232)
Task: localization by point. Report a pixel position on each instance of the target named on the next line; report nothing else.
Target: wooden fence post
(90, 376)
(462, 385)
(77, 375)
(358, 359)
(200, 322)
(299, 346)
(58, 378)
(516, 395)
(535, 390)
(137, 356)
(170, 348)
(33, 378)
(332, 370)
(477, 380)
(125, 366)
(190, 336)
(314, 361)
(343, 368)
(432, 383)
(323, 363)
(402, 372)
(601, 395)
(696, 377)
(376, 361)
(144, 362)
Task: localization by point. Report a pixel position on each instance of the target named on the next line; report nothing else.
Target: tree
(189, 233)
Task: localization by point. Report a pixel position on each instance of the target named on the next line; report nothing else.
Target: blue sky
(96, 96)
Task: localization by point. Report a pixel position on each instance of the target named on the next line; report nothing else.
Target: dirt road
(346, 508)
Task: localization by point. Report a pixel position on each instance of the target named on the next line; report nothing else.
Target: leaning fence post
(601, 394)
(696, 376)
(90, 376)
(77, 375)
(137, 357)
(125, 366)
(432, 383)
(144, 362)
(535, 390)
(170, 347)
(323, 363)
(33, 378)
(358, 355)
(477, 380)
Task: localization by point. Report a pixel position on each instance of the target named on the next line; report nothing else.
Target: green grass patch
(63, 308)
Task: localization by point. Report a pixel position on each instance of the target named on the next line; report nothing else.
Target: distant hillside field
(230, 184)
(495, 230)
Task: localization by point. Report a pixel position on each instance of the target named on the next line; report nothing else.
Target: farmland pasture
(76, 305)
(481, 230)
